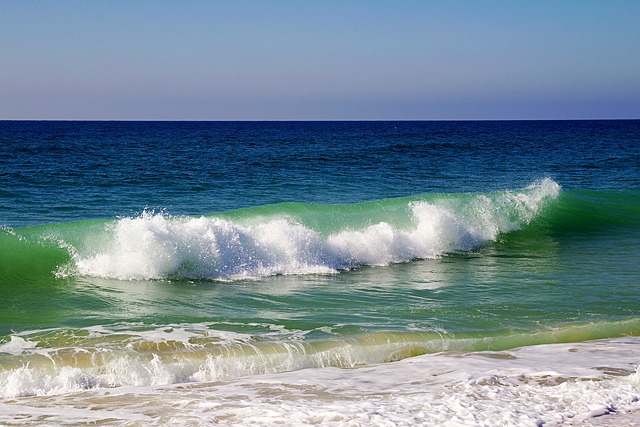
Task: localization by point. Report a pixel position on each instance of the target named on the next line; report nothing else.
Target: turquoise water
(228, 250)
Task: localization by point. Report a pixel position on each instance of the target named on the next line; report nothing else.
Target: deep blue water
(62, 171)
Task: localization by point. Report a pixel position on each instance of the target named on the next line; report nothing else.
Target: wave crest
(157, 246)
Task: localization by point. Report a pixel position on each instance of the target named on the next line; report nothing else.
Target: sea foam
(158, 246)
(550, 384)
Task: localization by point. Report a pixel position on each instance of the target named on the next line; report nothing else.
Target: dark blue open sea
(306, 273)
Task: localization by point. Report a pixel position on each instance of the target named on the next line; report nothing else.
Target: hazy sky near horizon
(319, 60)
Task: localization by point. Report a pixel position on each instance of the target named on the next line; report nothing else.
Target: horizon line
(320, 120)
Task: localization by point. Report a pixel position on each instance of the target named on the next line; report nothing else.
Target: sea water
(339, 273)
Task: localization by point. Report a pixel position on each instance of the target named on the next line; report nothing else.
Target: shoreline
(629, 417)
(567, 384)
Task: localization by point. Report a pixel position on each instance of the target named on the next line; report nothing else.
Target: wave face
(301, 238)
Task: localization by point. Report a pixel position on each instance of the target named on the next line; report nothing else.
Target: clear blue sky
(319, 60)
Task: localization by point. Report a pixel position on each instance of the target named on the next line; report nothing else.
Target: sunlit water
(470, 273)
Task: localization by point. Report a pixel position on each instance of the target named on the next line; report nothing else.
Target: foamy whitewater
(156, 246)
(330, 273)
(541, 385)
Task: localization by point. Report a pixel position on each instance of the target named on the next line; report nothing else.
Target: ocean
(453, 273)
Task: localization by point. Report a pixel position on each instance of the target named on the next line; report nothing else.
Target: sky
(319, 60)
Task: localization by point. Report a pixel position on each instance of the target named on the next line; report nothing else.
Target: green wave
(584, 211)
(33, 253)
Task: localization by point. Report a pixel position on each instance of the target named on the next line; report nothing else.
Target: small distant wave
(58, 361)
(557, 384)
(159, 246)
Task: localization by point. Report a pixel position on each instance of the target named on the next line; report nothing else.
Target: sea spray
(159, 246)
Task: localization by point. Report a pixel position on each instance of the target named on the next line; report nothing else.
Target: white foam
(157, 246)
(541, 385)
(16, 345)
(26, 381)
